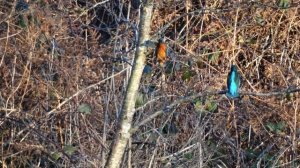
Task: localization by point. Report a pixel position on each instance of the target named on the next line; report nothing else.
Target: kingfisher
(161, 51)
(233, 83)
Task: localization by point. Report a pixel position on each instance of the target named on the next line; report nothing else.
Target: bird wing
(237, 79)
(228, 79)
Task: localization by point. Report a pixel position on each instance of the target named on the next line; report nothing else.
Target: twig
(94, 6)
(282, 92)
(83, 90)
(190, 98)
(191, 147)
(186, 99)
(151, 101)
(11, 35)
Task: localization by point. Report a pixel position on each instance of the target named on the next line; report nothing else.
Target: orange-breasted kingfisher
(161, 52)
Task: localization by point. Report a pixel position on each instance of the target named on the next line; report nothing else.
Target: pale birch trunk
(128, 108)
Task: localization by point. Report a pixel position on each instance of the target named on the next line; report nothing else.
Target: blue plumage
(233, 83)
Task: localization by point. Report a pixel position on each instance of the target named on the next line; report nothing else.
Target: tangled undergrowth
(52, 51)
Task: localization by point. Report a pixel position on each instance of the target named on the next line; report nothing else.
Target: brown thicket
(65, 66)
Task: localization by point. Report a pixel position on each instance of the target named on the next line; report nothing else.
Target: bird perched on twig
(161, 52)
(233, 83)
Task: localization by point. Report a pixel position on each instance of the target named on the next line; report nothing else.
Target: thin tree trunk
(128, 109)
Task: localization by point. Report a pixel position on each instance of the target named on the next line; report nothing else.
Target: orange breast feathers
(161, 53)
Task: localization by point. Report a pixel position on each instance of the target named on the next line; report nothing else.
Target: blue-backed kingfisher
(233, 83)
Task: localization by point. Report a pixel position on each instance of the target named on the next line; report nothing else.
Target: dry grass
(54, 49)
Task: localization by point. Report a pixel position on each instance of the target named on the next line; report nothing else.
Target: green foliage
(140, 100)
(288, 96)
(188, 156)
(276, 127)
(242, 40)
(26, 19)
(56, 155)
(69, 149)
(22, 22)
(85, 108)
(187, 74)
(214, 57)
(209, 106)
(260, 20)
(283, 4)
(198, 106)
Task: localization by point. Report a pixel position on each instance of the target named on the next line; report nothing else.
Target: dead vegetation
(52, 50)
